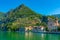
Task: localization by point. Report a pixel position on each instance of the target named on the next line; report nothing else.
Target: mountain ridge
(56, 15)
(22, 16)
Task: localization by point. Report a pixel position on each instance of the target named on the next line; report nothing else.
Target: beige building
(28, 28)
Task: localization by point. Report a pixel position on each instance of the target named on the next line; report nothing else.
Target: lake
(28, 36)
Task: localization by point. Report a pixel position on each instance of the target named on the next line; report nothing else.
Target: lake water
(28, 36)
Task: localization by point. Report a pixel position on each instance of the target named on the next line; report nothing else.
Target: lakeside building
(28, 28)
(38, 29)
(35, 28)
(52, 24)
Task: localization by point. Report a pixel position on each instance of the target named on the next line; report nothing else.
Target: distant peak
(22, 5)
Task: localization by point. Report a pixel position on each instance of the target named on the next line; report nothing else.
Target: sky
(45, 7)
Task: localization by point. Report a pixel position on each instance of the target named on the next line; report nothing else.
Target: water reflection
(39, 36)
(34, 36)
(28, 36)
(42, 35)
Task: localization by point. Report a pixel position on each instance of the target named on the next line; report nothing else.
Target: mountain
(57, 15)
(21, 16)
(21, 12)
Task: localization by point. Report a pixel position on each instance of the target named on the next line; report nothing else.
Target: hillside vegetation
(22, 16)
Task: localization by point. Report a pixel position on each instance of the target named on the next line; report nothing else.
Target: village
(53, 26)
